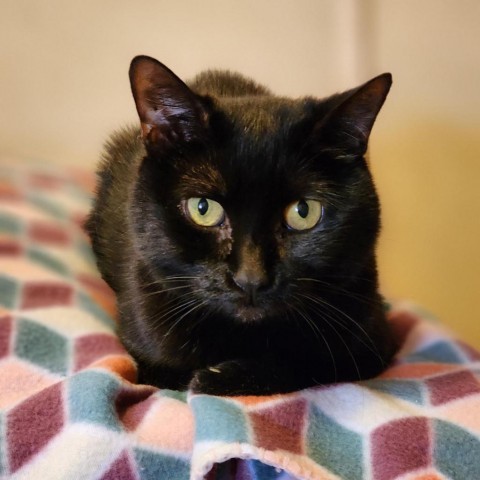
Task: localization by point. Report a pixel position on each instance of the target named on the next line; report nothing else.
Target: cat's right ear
(169, 111)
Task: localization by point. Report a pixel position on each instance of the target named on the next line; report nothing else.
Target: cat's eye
(205, 211)
(303, 214)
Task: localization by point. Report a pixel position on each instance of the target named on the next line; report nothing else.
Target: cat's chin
(249, 313)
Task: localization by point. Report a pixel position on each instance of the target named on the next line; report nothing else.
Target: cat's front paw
(228, 378)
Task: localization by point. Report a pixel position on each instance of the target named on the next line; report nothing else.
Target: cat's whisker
(326, 304)
(325, 317)
(181, 277)
(198, 320)
(176, 298)
(165, 290)
(174, 324)
(317, 331)
(166, 315)
(342, 291)
(167, 280)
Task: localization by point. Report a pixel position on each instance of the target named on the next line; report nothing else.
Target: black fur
(306, 309)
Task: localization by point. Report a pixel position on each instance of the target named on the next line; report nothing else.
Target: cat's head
(252, 201)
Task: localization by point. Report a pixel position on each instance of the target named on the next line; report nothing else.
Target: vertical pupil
(302, 208)
(202, 206)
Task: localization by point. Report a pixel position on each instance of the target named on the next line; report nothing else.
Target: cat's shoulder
(225, 83)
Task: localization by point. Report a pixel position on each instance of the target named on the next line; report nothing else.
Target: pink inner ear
(168, 109)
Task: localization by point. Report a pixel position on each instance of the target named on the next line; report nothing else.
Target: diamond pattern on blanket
(9, 247)
(89, 348)
(438, 352)
(33, 423)
(48, 234)
(409, 390)
(69, 398)
(43, 294)
(338, 449)
(44, 258)
(457, 452)
(280, 426)
(123, 468)
(20, 380)
(452, 386)
(218, 415)
(99, 408)
(153, 464)
(42, 346)
(160, 423)
(400, 446)
(10, 224)
(9, 292)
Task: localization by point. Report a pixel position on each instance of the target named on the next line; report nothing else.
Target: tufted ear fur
(169, 111)
(346, 129)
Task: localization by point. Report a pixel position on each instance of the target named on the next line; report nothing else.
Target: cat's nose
(249, 273)
(250, 282)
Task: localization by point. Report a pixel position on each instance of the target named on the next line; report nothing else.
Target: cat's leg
(248, 377)
(163, 377)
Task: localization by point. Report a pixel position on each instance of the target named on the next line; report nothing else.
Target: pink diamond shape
(280, 426)
(400, 446)
(44, 294)
(19, 380)
(452, 386)
(90, 348)
(33, 423)
(121, 469)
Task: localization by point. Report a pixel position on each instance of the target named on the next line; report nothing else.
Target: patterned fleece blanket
(70, 407)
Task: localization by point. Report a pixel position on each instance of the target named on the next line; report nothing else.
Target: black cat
(238, 230)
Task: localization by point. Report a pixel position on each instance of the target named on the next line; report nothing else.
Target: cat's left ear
(169, 111)
(347, 127)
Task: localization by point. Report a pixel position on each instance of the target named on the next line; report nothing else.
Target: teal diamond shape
(456, 451)
(333, 446)
(48, 206)
(42, 346)
(91, 398)
(48, 261)
(157, 465)
(9, 290)
(439, 352)
(409, 390)
(218, 420)
(10, 224)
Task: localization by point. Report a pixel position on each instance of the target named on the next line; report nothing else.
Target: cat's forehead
(259, 115)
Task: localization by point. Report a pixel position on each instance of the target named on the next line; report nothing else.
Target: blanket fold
(70, 407)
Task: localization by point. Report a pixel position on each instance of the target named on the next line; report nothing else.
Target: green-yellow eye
(205, 211)
(303, 214)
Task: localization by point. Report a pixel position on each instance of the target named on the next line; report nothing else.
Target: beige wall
(63, 87)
